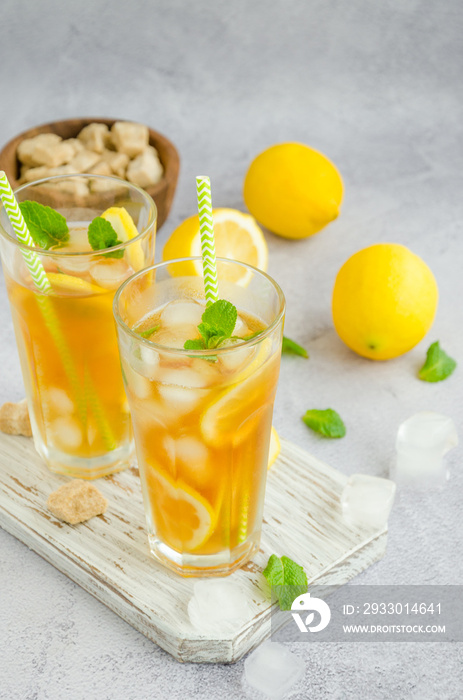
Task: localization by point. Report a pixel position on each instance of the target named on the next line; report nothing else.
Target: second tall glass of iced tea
(202, 418)
(66, 338)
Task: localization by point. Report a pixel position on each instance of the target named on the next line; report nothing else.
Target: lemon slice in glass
(184, 519)
(67, 283)
(275, 447)
(221, 419)
(123, 224)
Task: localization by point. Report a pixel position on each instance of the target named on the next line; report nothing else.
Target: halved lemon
(275, 447)
(124, 226)
(184, 519)
(67, 283)
(247, 394)
(237, 237)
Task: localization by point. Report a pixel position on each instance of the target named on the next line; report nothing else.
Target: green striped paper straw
(206, 227)
(13, 211)
(43, 285)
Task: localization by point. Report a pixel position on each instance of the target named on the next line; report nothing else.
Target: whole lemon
(384, 301)
(293, 190)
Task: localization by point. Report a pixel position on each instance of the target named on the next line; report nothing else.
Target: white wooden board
(109, 557)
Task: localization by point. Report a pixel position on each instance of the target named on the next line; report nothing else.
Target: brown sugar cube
(94, 136)
(61, 170)
(27, 149)
(14, 419)
(75, 186)
(118, 162)
(101, 168)
(31, 174)
(84, 160)
(54, 155)
(145, 169)
(76, 145)
(76, 502)
(101, 186)
(129, 137)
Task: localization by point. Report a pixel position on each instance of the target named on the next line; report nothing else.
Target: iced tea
(202, 421)
(68, 348)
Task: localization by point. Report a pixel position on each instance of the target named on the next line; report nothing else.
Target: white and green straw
(206, 227)
(13, 211)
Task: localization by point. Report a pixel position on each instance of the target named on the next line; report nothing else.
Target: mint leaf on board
(287, 579)
(291, 347)
(148, 331)
(327, 423)
(438, 365)
(47, 227)
(101, 235)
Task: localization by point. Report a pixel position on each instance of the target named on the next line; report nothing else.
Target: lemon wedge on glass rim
(123, 224)
(237, 237)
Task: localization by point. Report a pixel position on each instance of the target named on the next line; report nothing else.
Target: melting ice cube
(182, 313)
(233, 359)
(175, 337)
(59, 400)
(178, 398)
(218, 607)
(367, 500)
(422, 441)
(273, 670)
(110, 274)
(67, 433)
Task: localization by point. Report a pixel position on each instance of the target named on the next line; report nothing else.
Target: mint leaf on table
(218, 322)
(47, 227)
(327, 422)
(148, 331)
(101, 235)
(291, 347)
(287, 579)
(438, 365)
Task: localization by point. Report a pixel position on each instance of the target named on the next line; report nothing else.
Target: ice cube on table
(218, 607)
(422, 441)
(182, 313)
(273, 670)
(367, 500)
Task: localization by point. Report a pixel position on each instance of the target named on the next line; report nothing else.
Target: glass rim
(76, 253)
(268, 330)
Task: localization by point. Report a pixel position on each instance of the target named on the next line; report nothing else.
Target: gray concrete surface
(378, 88)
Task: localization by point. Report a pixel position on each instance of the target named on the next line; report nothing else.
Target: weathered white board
(109, 555)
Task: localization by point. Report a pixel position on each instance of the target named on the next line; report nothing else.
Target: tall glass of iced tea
(66, 338)
(201, 418)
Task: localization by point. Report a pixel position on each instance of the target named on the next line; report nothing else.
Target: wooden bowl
(162, 193)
